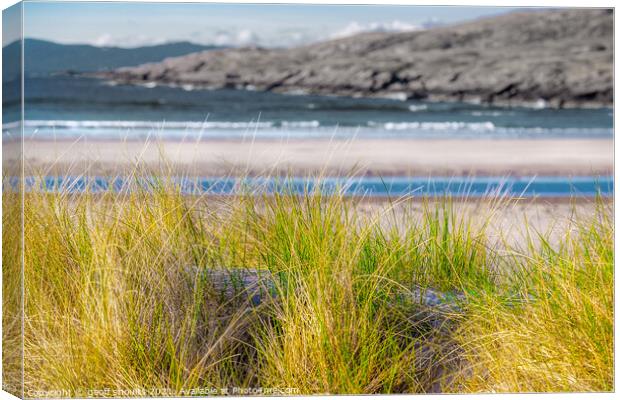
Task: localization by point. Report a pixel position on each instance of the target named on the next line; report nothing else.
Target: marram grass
(115, 297)
(560, 336)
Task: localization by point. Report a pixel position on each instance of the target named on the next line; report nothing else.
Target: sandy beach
(568, 157)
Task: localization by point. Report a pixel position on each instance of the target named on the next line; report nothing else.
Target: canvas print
(209, 199)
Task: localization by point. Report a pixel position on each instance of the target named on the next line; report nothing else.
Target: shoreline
(303, 157)
(529, 103)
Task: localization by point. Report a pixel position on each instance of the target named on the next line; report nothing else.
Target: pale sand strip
(369, 156)
(504, 223)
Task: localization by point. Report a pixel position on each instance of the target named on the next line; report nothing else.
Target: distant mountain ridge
(559, 58)
(44, 57)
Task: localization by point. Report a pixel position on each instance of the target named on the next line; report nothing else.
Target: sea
(63, 106)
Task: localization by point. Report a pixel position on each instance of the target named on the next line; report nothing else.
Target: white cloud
(109, 40)
(246, 36)
(286, 37)
(355, 27)
(239, 36)
(231, 37)
(103, 40)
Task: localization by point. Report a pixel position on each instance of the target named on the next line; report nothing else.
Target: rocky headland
(556, 58)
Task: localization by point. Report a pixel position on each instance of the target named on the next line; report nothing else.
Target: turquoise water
(65, 106)
(527, 187)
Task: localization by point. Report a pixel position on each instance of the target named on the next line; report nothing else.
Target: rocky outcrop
(433, 315)
(255, 287)
(558, 58)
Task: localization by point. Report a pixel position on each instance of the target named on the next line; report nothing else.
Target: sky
(138, 24)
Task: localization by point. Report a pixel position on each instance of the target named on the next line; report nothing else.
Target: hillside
(43, 57)
(562, 58)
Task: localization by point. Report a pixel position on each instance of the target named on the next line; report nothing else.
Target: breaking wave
(448, 125)
(299, 129)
